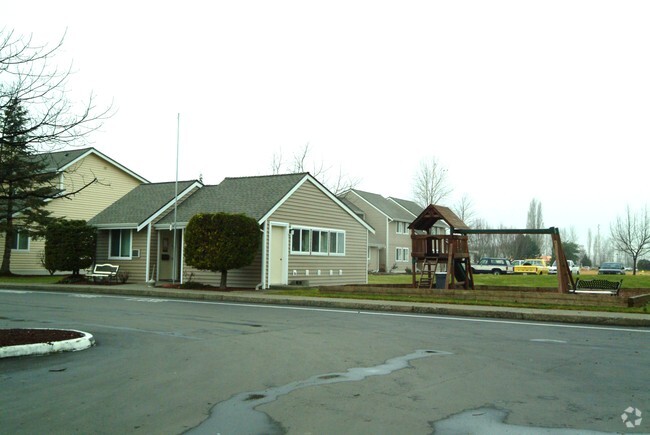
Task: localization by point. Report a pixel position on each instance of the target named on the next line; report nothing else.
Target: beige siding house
(390, 248)
(106, 182)
(308, 235)
(126, 237)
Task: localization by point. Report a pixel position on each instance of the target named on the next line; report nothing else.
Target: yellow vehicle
(535, 266)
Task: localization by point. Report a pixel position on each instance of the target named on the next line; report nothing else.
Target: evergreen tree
(25, 182)
(69, 245)
(219, 242)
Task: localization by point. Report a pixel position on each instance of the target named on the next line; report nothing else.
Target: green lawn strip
(425, 299)
(31, 279)
(629, 280)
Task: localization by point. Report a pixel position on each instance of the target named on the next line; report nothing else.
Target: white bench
(103, 272)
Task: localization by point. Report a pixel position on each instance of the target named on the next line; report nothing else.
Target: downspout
(389, 268)
(264, 269)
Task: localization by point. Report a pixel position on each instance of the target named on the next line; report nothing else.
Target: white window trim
(311, 233)
(18, 249)
(291, 233)
(405, 254)
(110, 241)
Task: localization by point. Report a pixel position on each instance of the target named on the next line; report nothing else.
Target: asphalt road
(172, 366)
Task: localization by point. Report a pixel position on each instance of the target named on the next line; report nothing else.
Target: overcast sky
(516, 99)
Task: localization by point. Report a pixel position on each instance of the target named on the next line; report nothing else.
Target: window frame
(321, 241)
(110, 245)
(402, 254)
(18, 237)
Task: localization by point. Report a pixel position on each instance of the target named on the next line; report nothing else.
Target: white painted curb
(72, 345)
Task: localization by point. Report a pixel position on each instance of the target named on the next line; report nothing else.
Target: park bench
(103, 273)
(597, 286)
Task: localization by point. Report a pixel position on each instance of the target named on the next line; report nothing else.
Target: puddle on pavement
(490, 421)
(238, 414)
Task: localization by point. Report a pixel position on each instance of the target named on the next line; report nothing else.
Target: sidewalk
(267, 297)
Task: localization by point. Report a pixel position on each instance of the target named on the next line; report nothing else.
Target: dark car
(611, 269)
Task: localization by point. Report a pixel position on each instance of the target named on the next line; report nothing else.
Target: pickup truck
(536, 266)
(495, 266)
(574, 268)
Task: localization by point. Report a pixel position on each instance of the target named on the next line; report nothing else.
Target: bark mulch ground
(13, 337)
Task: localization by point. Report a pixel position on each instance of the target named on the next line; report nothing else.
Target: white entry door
(279, 252)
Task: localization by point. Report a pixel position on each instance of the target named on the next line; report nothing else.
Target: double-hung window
(20, 241)
(401, 254)
(402, 228)
(119, 244)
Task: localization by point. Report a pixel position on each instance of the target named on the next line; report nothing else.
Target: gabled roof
(434, 213)
(408, 205)
(389, 208)
(257, 197)
(142, 205)
(59, 161)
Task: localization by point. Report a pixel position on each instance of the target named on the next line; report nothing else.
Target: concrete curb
(72, 345)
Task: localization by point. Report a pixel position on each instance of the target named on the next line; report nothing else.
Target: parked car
(495, 266)
(574, 268)
(611, 269)
(535, 266)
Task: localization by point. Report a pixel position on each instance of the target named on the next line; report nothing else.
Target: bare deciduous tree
(630, 234)
(535, 220)
(463, 209)
(35, 116)
(302, 162)
(430, 183)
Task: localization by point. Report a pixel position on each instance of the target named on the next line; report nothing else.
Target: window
(20, 242)
(317, 241)
(402, 228)
(401, 254)
(300, 240)
(337, 242)
(119, 244)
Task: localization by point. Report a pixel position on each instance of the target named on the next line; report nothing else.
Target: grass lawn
(31, 279)
(629, 281)
(503, 281)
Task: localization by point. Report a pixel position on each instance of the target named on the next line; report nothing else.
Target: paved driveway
(171, 366)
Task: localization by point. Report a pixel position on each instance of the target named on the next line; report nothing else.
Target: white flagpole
(178, 126)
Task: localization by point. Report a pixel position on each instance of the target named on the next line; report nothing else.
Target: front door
(279, 251)
(169, 256)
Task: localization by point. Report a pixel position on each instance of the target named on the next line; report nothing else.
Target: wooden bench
(103, 272)
(598, 286)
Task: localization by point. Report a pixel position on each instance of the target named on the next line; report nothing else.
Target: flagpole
(178, 126)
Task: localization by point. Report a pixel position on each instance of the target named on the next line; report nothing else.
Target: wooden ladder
(429, 279)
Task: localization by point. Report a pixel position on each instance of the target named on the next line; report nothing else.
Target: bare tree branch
(630, 234)
(430, 183)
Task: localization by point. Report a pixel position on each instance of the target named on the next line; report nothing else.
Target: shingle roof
(56, 160)
(139, 204)
(411, 206)
(59, 160)
(252, 196)
(389, 208)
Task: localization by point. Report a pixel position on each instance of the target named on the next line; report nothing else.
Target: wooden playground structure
(430, 251)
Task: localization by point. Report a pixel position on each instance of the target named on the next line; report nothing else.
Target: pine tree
(25, 182)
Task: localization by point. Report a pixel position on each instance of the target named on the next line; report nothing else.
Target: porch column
(148, 259)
